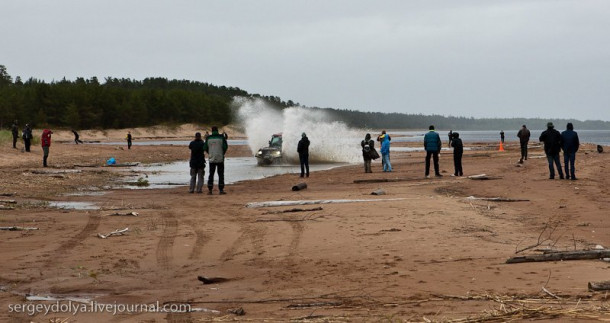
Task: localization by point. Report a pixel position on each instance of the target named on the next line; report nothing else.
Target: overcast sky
(529, 58)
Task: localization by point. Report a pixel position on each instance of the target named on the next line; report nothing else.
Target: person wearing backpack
(368, 152)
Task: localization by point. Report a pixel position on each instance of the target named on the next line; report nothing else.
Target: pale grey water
(236, 169)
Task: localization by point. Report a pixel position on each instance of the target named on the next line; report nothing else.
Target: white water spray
(330, 141)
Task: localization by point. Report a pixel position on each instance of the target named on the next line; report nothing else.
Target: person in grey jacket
(216, 146)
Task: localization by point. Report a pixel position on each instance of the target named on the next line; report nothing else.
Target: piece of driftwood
(317, 304)
(310, 202)
(211, 280)
(8, 201)
(237, 311)
(123, 165)
(8, 194)
(566, 255)
(482, 177)
(124, 214)
(378, 192)
(113, 233)
(497, 199)
(603, 285)
(379, 180)
(296, 209)
(18, 228)
(300, 186)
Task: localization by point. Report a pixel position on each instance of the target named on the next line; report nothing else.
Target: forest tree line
(126, 103)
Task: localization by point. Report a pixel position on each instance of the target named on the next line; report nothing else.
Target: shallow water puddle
(236, 169)
(74, 205)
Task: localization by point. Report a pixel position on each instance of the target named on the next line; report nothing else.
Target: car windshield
(276, 142)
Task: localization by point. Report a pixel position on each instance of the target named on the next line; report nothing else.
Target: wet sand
(425, 252)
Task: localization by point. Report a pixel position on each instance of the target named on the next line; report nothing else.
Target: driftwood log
(379, 180)
(310, 202)
(378, 192)
(300, 186)
(113, 233)
(497, 199)
(7, 194)
(558, 256)
(18, 228)
(124, 214)
(603, 285)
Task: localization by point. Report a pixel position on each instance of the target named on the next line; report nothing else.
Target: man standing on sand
(502, 136)
(432, 145)
(197, 163)
(552, 146)
(385, 153)
(524, 138)
(458, 151)
(15, 132)
(216, 146)
(368, 148)
(27, 137)
(570, 143)
(45, 140)
(129, 139)
(303, 150)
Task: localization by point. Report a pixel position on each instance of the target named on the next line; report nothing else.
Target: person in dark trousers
(502, 136)
(380, 138)
(197, 163)
(303, 150)
(569, 145)
(45, 140)
(458, 151)
(552, 146)
(432, 145)
(129, 138)
(368, 145)
(216, 146)
(76, 137)
(27, 137)
(524, 138)
(15, 133)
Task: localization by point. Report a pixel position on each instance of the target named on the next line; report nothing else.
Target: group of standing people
(554, 142)
(215, 145)
(27, 136)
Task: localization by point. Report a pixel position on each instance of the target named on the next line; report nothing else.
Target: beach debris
(378, 192)
(379, 180)
(310, 202)
(237, 311)
(316, 304)
(2, 207)
(496, 199)
(113, 233)
(211, 280)
(8, 193)
(295, 210)
(18, 228)
(603, 285)
(482, 177)
(600, 149)
(124, 214)
(8, 201)
(563, 255)
(55, 172)
(300, 186)
(204, 310)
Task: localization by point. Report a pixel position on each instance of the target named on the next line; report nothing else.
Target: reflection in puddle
(236, 169)
(74, 205)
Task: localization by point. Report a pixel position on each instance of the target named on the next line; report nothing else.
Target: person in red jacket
(46, 143)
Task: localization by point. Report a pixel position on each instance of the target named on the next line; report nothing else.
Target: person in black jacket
(303, 150)
(27, 137)
(197, 163)
(552, 146)
(458, 151)
(15, 133)
(368, 145)
(570, 143)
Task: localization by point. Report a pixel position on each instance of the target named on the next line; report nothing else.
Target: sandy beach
(428, 249)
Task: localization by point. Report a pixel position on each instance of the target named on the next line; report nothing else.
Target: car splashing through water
(272, 154)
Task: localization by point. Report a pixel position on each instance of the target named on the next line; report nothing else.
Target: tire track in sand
(166, 243)
(93, 222)
(251, 233)
(200, 240)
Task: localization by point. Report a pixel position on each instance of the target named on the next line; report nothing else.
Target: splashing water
(331, 141)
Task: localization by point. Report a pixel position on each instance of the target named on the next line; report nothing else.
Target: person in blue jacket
(569, 145)
(432, 145)
(385, 153)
